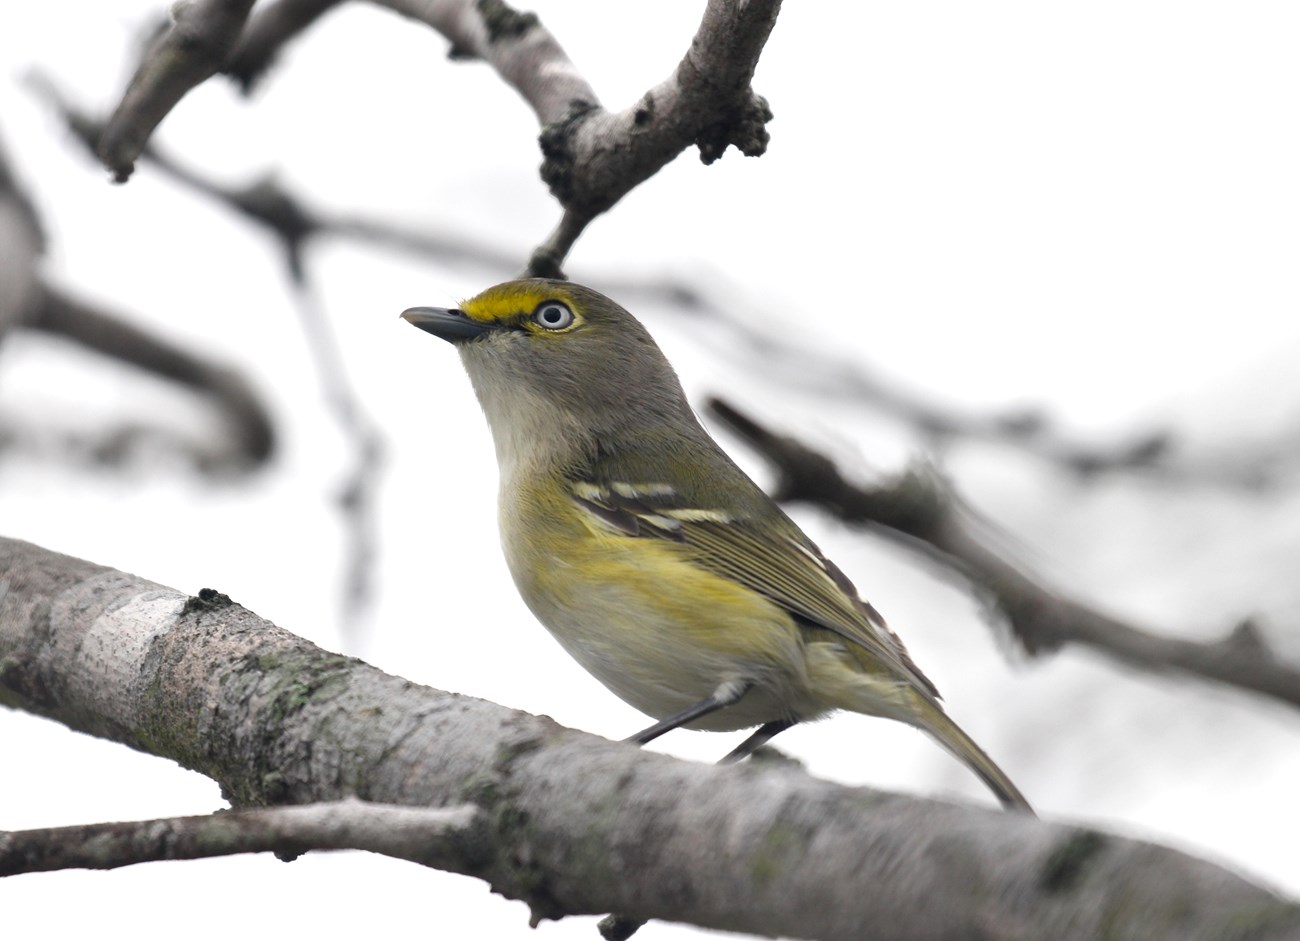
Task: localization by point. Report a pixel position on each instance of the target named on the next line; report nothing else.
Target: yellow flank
(658, 575)
(629, 610)
(507, 301)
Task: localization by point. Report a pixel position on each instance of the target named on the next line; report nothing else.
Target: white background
(1088, 208)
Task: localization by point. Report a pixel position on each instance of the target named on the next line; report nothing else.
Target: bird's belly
(667, 679)
(662, 633)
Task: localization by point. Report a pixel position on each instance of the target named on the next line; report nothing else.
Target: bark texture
(568, 822)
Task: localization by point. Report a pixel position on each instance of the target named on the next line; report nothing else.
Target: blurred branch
(201, 36)
(422, 835)
(1153, 454)
(27, 240)
(293, 225)
(568, 822)
(23, 240)
(252, 432)
(271, 205)
(449, 248)
(358, 494)
(27, 301)
(824, 372)
(921, 507)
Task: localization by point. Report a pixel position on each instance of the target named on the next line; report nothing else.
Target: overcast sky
(1085, 208)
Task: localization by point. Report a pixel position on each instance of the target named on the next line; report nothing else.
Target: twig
(428, 836)
(452, 247)
(921, 507)
(547, 258)
(358, 495)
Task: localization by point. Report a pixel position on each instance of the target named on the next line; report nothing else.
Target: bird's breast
(657, 629)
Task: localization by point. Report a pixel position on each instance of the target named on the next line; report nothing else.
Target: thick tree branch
(569, 822)
(200, 38)
(921, 507)
(430, 837)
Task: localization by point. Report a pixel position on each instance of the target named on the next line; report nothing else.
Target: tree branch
(517, 46)
(593, 157)
(201, 36)
(569, 822)
(1153, 454)
(28, 301)
(921, 507)
(431, 837)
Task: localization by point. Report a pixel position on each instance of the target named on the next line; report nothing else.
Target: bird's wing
(787, 568)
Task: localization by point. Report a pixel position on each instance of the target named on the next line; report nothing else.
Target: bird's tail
(931, 718)
(906, 699)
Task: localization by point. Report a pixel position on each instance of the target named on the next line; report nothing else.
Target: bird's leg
(761, 737)
(725, 695)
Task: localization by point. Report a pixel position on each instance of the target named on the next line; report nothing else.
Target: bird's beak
(454, 326)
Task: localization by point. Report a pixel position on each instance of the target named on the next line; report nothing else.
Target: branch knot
(558, 151)
(505, 22)
(745, 129)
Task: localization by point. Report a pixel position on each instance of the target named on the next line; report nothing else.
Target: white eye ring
(552, 315)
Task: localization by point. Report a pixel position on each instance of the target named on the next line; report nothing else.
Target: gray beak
(454, 326)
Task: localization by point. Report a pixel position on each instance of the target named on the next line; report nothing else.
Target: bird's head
(555, 358)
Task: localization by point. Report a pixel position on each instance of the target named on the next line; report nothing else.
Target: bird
(652, 558)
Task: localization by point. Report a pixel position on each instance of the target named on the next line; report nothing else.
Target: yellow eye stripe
(509, 301)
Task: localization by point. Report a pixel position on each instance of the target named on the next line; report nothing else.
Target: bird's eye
(552, 315)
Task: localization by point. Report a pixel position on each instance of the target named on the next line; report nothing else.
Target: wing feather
(789, 569)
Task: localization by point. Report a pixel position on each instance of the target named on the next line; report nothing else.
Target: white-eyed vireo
(657, 563)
